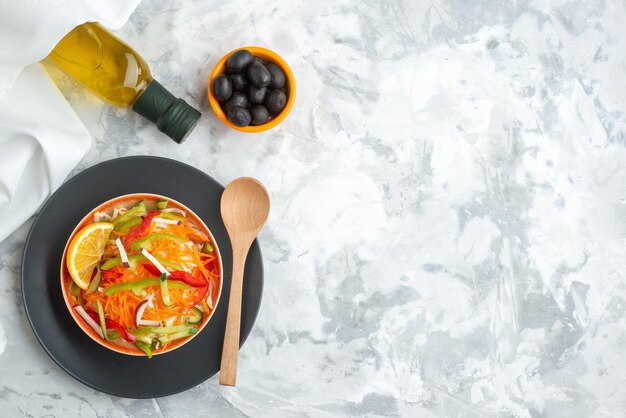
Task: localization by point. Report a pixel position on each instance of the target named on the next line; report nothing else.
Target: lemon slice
(86, 250)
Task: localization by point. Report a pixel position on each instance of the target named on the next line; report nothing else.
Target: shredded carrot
(178, 260)
(176, 299)
(107, 303)
(199, 264)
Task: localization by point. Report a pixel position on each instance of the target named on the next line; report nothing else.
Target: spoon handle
(230, 350)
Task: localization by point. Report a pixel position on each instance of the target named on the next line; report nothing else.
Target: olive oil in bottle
(117, 74)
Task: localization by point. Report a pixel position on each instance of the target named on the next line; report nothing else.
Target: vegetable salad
(157, 280)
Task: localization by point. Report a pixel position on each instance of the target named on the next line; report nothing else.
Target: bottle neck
(172, 115)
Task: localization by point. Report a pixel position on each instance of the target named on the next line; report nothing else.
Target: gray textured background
(449, 210)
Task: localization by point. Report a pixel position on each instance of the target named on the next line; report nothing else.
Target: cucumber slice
(197, 316)
(101, 318)
(144, 338)
(160, 330)
(95, 282)
(171, 337)
(74, 289)
(207, 247)
(168, 215)
(165, 294)
(161, 204)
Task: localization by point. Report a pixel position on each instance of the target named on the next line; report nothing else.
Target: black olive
(258, 75)
(237, 99)
(221, 87)
(260, 115)
(238, 61)
(278, 77)
(238, 115)
(258, 60)
(275, 101)
(239, 81)
(256, 95)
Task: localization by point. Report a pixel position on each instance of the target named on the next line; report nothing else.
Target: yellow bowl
(267, 55)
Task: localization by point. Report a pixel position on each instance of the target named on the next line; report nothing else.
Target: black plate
(83, 358)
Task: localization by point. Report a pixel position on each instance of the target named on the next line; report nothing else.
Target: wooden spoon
(245, 206)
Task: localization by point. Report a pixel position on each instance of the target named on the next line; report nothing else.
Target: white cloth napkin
(41, 138)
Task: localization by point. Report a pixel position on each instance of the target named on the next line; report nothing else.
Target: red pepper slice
(210, 265)
(183, 276)
(152, 269)
(108, 275)
(200, 284)
(201, 294)
(109, 323)
(141, 231)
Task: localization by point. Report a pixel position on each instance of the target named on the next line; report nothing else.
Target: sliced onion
(139, 312)
(154, 261)
(174, 210)
(149, 323)
(99, 216)
(210, 296)
(83, 314)
(166, 221)
(117, 212)
(123, 255)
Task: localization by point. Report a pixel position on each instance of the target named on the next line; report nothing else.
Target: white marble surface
(449, 212)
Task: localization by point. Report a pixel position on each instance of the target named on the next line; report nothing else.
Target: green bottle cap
(172, 116)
